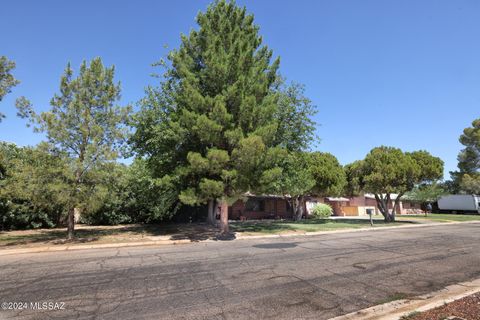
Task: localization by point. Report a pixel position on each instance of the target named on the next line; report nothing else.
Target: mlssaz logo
(47, 305)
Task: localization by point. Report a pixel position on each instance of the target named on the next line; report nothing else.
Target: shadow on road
(283, 245)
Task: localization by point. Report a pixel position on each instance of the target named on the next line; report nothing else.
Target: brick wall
(274, 208)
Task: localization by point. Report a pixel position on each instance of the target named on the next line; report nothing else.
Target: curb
(238, 237)
(396, 309)
(92, 246)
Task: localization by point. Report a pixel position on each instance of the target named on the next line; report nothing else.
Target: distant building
(254, 207)
(358, 205)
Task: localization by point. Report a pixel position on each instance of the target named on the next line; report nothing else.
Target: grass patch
(445, 217)
(312, 225)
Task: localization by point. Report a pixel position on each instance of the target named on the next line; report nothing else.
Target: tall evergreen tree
(210, 124)
(84, 122)
(7, 80)
(467, 179)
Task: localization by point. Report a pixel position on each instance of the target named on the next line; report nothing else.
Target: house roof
(249, 194)
(337, 199)
(393, 196)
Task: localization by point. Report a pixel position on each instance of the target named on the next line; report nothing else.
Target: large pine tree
(212, 121)
(467, 179)
(85, 123)
(7, 80)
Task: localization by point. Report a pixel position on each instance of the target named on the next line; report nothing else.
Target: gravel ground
(467, 308)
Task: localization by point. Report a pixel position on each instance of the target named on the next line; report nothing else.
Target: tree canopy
(84, 123)
(220, 110)
(467, 179)
(34, 190)
(387, 170)
(297, 175)
(7, 80)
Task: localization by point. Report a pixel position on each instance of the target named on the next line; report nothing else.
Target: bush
(322, 211)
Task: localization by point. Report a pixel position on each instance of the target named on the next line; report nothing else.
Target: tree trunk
(224, 217)
(71, 224)
(396, 205)
(301, 208)
(75, 210)
(298, 207)
(211, 218)
(382, 205)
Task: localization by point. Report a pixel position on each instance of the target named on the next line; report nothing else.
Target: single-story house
(358, 205)
(278, 207)
(260, 207)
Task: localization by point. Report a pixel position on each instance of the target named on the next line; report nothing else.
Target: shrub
(322, 211)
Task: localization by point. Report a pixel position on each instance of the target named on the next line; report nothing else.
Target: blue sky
(402, 73)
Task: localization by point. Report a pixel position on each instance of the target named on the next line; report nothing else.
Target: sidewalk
(167, 240)
(403, 308)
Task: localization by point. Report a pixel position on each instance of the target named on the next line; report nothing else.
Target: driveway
(314, 277)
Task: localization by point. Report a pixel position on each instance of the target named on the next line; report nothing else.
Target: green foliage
(291, 175)
(430, 168)
(354, 177)
(470, 183)
(212, 124)
(387, 170)
(85, 124)
(7, 80)
(426, 193)
(34, 192)
(329, 175)
(469, 157)
(84, 121)
(129, 194)
(467, 179)
(296, 128)
(322, 211)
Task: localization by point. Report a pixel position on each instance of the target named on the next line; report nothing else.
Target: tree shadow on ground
(174, 231)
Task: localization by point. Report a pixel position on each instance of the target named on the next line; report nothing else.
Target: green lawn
(443, 217)
(275, 226)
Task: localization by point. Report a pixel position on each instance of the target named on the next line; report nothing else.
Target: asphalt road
(315, 277)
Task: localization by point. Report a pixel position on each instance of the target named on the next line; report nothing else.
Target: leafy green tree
(387, 170)
(329, 175)
(84, 123)
(35, 190)
(216, 115)
(297, 175)
(467, 178)
(7, 80)
(298, 182)
(135, 196)
(354, 178)
(469, 157)
(294, 116)
(470, 183)
(425, 193)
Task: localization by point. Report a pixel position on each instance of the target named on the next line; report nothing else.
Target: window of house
(255, 205)
(289, 206)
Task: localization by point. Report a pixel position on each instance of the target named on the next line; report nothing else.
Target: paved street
(314, 277)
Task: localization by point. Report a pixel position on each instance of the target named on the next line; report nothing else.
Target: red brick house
(261, 207)
(254, 207)
(358, 206)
